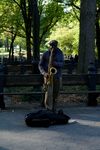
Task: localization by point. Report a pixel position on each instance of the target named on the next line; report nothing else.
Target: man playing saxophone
(50, 67)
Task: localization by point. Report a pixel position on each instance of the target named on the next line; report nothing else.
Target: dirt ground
(62, 102)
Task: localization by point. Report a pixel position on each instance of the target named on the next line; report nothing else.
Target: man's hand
(46, 75)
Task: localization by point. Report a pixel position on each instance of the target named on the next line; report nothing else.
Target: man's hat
(53, 43)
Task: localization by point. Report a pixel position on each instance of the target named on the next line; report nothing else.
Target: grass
(74, 88)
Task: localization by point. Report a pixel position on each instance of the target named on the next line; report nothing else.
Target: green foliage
(67, 37)
(11, 19)
(98, 3)
(51, 12)
(10, 16)
(66, 31)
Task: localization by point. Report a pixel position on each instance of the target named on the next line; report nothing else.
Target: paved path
(82, 135)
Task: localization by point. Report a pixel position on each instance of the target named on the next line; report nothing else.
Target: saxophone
(51, 70)
(49, 83)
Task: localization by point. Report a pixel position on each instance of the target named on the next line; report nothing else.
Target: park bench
(37, 80)
(28, 68)
(27, 80)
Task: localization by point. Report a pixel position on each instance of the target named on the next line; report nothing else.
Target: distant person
(52, 58)
(71, 58)
(76, 58)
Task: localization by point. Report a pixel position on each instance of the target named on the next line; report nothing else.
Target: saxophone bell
(53, 70)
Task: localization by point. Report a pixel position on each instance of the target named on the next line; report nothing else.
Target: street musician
(50, 67)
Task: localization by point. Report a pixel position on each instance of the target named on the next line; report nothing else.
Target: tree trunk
(28, 42)
(87, 35)
(35, 29)
(27, 20)
(98, 34)
(6, 44)
(11, 51)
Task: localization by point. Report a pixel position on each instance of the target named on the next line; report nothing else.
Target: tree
(98, 28)
(10, 23)
(39, 18)
(35, 33)
(25, 7)
(30, 19)
(87, 35)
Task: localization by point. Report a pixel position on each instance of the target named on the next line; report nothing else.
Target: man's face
(52, 47)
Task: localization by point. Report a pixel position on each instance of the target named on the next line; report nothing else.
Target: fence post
(2, 72)
(92, 101)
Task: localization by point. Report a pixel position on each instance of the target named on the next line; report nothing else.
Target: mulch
(63, 101)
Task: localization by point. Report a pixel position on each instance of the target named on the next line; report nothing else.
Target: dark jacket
(58, 61)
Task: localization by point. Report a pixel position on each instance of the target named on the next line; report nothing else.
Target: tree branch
(16, 2)
(73, 5)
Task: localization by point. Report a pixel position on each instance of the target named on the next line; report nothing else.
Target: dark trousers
(56, 88)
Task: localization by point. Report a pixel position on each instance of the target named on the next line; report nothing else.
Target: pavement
(84, 134)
